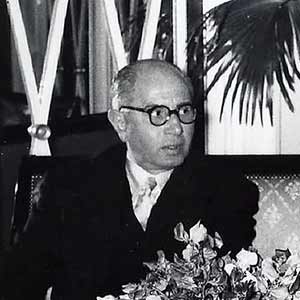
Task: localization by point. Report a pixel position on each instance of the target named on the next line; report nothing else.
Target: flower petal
(246, 259)
(180, 234)
(198, 233)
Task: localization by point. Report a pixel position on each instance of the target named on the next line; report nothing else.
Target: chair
(85, 136)
(278, 218)
(32, 174)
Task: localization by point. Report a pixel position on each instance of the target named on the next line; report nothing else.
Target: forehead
(161, 90)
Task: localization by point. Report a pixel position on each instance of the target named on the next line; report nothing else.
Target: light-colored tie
(145, 201)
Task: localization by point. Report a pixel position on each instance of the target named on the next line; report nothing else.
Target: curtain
(71, 85)
(35, 17)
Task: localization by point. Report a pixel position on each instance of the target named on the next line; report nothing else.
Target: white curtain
(100, 64)
(35, 17)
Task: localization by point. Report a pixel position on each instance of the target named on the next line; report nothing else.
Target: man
(93, 229)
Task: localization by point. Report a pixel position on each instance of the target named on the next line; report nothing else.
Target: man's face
(158, 148)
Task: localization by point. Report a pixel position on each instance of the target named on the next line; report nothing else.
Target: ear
(118, 121)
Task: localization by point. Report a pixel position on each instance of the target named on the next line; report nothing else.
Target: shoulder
(232, 199)
(215, 169)
(72, 172)
(223, 181)
(114, 157)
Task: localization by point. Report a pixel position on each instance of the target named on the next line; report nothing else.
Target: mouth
(173, 148)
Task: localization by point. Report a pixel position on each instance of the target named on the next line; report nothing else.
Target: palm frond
(257, 43)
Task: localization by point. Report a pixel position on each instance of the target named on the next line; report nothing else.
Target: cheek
(143, 138)
(151, 142)
(188, 134)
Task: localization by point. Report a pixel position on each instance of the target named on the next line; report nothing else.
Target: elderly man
(91, 235)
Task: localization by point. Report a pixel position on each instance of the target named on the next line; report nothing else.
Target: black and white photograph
(149, 150)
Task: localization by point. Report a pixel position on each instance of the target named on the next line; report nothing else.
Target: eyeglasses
(160, 114)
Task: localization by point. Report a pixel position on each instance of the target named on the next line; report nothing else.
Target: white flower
(290, 275)
(288, 279)
(297, 295)
(187, 253)
(249, 277)
(107, 297)
(198, 233)
(229, 267)
(180, 234)
(262, 284)
(268, 270)
(128, 288)
(218, 240)
(246, 259)
(124, 297)
(280, 293)
(153, 297)
(293, 260)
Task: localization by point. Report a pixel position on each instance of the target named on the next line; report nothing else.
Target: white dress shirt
(138, 182)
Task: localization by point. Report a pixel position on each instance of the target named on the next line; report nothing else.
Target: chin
(173, 162)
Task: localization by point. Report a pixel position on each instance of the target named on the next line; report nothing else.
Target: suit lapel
(170, 204)
(110, 189)
(182, 199)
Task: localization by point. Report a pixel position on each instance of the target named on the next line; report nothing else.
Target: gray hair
(124, 84)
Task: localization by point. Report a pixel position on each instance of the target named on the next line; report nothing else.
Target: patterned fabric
(278, 218)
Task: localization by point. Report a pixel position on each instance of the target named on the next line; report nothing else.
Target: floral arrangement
(201, 274)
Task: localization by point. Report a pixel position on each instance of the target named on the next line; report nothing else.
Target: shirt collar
(138, 176)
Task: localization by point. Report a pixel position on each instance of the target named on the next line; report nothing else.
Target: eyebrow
(149, 105)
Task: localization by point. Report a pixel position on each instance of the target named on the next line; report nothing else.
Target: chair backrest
(278, 218)
(32, 174)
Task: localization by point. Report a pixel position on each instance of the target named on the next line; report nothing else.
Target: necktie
(145, 201)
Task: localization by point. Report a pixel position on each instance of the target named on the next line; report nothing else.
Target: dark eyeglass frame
(175, 111)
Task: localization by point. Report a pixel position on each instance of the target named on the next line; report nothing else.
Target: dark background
(5, 72)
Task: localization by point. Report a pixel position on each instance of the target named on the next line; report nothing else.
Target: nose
(174, 126)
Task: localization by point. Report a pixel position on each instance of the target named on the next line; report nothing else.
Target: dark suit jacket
(85, 241)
